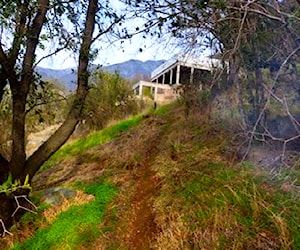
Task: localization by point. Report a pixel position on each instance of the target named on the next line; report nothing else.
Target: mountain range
(128, 69)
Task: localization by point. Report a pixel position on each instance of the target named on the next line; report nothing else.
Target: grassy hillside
(163, 181)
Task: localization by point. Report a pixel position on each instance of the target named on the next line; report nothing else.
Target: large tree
(251, 35)
(27, 26)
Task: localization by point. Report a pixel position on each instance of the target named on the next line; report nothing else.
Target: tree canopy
(250, 35)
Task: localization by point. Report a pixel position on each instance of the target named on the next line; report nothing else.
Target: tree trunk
(18, 129)
(36, 160)
(6, 210)
(18, 167)
(6, 203)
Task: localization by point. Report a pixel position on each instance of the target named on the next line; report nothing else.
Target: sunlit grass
(99, 137)
(76, 227)
(92, 140)
(205, 199)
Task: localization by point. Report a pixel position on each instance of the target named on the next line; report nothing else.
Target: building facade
(179, 70)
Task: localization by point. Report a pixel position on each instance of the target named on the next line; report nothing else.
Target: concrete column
(178, 74)
(163, 78)
(140, 89)
(192, 75)
(155, 93)
(171, 77)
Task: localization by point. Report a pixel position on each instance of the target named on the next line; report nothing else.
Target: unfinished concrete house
(179, 70)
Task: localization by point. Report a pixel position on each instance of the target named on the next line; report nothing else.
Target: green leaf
(26, 180)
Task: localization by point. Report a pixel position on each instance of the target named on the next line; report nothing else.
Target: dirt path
(141, 220)
(134, 226)
(137, 228)
(142, 228)
(130, 221)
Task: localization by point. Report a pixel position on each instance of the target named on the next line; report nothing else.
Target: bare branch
(22, 207)
(5, 231)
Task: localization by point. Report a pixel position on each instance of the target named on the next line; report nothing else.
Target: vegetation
(110, 98)
(31, 26)
(180, 185)
(252, 37)
(207, 201)
(198, 195)
(25, 22)
(94, 139)
(76, 227)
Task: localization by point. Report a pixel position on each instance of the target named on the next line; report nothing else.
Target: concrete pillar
(171, 77)
(178, 74)
(140, 89)
(163, 78)
(192, 75)
(155, 93)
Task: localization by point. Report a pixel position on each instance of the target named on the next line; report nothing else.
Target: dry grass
(173, 235)
(208, 203)
(80, 198)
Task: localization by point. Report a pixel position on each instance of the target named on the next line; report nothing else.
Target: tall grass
(93, 139)
(208, 203)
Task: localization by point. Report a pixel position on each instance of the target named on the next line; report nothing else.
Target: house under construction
(179, 70)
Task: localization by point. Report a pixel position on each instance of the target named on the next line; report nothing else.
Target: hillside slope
(177, 187)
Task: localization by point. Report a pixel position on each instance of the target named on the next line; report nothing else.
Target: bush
(110, 98)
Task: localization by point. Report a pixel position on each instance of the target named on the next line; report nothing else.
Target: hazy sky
(116, 53)
(152, 49)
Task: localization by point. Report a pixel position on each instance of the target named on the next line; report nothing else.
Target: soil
(141, 227)
(34, 140)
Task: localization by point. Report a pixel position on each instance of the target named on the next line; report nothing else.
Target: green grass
(204, 202)
(220, 200)
(76, 227)
(208, 203)
(99, 137)
(92, 140)
(165, 108)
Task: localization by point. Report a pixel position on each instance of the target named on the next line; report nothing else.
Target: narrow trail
(135, 227)
(141, 222)
(130, 221)
(141, 228)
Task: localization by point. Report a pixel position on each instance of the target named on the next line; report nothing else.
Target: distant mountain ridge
(128, 69)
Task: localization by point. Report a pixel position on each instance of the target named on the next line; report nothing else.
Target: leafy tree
(25, 27)
(250, 35)
(110, 97)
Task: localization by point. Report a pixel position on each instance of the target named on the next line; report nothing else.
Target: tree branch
(35, 161)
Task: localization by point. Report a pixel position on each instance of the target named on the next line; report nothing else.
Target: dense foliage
(110, 98)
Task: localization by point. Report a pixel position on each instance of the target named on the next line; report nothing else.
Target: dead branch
(22, 207)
